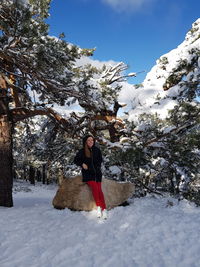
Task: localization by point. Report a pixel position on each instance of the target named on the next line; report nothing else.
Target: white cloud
(127, 5)
(96, 63)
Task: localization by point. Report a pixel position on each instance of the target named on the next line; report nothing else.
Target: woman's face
(90, 142)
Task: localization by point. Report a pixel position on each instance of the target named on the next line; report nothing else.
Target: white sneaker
(99, 213)
(104, 214)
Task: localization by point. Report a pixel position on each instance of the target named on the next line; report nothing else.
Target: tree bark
(38, 175)
(44, 173)
(32, 175)
(6, 162)
(6, 145)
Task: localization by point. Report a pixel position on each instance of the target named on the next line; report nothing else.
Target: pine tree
(38, 71)
(32, 64)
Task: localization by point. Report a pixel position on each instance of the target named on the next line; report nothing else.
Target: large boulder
(76, 195)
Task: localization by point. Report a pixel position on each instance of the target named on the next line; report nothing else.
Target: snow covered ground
(149, 232)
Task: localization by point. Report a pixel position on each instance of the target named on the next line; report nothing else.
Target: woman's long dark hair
(87, 150)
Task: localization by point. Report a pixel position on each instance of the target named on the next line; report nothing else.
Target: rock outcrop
(76, 195)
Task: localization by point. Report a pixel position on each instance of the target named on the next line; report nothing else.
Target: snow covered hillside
(169, 78)
(149, 232)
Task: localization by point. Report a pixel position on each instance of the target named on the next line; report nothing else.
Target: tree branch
(175, 130)
(20, 114)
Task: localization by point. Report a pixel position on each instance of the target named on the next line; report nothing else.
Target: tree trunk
(6, 162)
(114, 137)
(44, 173)
(24, 172)
(32, 175)
(6, 145)
(38, 175)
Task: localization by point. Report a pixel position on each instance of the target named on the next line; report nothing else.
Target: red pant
(97, 193)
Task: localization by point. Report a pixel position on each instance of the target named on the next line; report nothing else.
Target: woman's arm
(78, 160)
(98, 158)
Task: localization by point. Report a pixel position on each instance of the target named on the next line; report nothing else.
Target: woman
(89, 158)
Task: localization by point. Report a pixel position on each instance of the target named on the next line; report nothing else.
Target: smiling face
(90, 142)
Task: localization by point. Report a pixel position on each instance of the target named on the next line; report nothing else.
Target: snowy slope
(148, 232)
(151, 97)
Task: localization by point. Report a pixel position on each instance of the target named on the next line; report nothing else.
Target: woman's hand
(85, 167)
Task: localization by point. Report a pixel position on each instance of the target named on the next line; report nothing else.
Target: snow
(151, 231)
(168, 129)
(24, 2)
(150, 97)
(132, 74)
(114, 169)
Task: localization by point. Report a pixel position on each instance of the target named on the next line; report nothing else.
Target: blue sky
(136, 32)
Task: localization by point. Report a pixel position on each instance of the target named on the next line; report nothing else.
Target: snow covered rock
(76, 195)
(170, 79)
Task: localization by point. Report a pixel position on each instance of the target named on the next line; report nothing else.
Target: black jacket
(94, 164)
